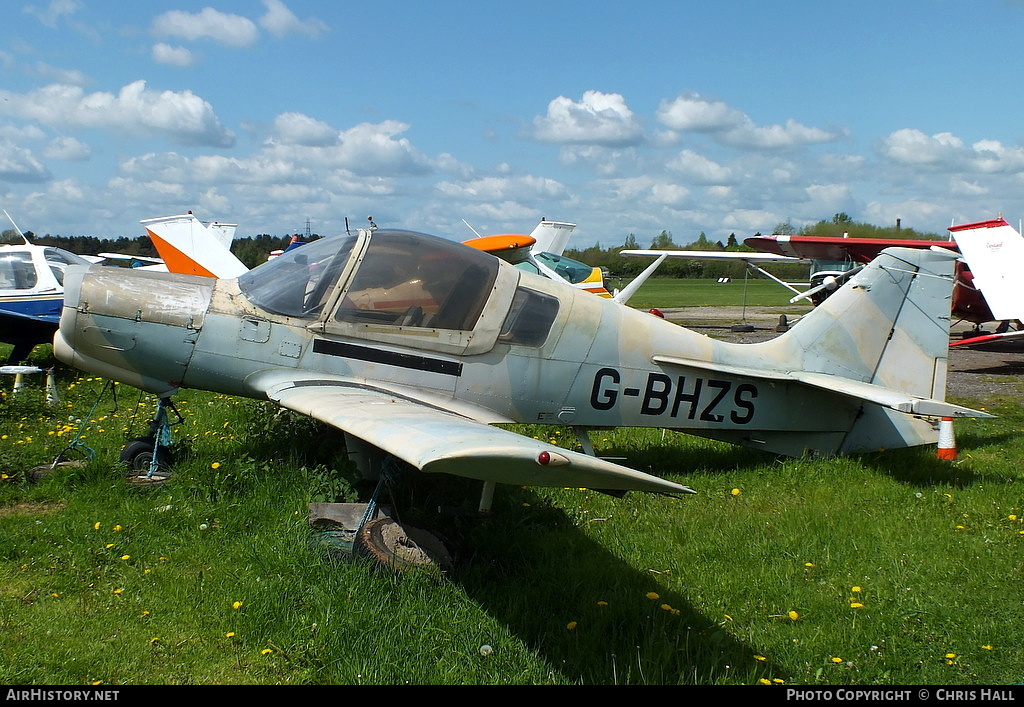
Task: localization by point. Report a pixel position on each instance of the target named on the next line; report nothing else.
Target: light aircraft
(423, 372)
(31, 292)
(993, 250)
(832, 256)
(541, 253)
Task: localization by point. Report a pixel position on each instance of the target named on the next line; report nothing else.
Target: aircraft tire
(138, 454)
(387, 542)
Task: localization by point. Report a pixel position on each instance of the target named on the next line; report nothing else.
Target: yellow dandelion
(96, 525)
(735, 492)
(571, 625)
(108, 546)
(126, 557)
(808, 564)
(1013, 516)
(117, 528)
(154, 640)
(237, 605)
(950, 656)
(266, 651)
(837, 659)
(229, 634)
(764, 681)
(602, 603)
(653, 595)
(854, 589)
(118, 591)
(986, 647)
(760, 658)
(793, 615)
(666, 607)
(215, 465)
(856, 605)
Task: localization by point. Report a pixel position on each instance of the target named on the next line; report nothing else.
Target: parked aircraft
(31, 293)
(422, 373)
(993, 250)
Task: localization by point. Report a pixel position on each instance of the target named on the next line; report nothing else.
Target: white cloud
(691, 113)
(68, 149)
(699, 168)
(299, 129)
(910, 147)
(172, 56)
(181, 116)
(503, 189)
(729, 126)
(54, 11)
(19, 165)
(598, 118)
(207, 24)
(280, 21)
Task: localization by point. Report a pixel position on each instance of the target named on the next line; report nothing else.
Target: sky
(691, 117)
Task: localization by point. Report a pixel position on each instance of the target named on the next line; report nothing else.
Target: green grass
(212, 578)
(670, 292)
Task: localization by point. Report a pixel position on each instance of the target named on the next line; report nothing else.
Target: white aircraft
(31, 292)
(993, 251)
(416, 346)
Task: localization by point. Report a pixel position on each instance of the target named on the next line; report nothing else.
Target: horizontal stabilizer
(868, 392)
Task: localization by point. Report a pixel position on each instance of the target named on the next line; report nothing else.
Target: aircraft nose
(134, 327)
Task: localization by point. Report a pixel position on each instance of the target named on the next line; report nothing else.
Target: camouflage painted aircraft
(416, 346)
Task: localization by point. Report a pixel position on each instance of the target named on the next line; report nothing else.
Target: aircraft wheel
(138, 455)
(399, 548)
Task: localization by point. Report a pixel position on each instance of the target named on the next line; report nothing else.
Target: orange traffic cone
(947, 442)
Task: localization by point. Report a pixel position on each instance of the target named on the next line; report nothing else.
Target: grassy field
(889, 568)
(667, 292)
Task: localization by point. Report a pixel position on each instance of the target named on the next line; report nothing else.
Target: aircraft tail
(881, 340)
(191, 247)
(992, 250)
(552, 236)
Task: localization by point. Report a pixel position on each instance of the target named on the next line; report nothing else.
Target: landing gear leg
(149, 457)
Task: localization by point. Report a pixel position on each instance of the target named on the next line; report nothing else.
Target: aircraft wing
(435, 440)
(718, 255)
(989, 340)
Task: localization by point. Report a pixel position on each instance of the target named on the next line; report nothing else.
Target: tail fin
(992, 250)
(552, 236)
(191, 247)
(882, 339)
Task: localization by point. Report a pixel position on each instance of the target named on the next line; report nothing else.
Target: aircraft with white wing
(415, 347)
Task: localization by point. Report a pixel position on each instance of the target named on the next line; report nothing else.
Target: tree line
(253, 250)
(617, 265)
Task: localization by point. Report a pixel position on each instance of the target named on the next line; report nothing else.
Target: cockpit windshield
(402, 278)
(299, 282)
(411, 279)
(571, 270)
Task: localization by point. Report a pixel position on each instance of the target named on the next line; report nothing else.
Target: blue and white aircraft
(31, 293)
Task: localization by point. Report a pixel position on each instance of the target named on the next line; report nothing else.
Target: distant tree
(841, 217)
(663, 241)
(785, 228)
(631, 243)
(732, 243)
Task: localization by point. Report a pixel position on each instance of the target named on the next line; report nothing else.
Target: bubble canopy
(384, 277)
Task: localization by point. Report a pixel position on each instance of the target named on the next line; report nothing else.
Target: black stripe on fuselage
(388, 358)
